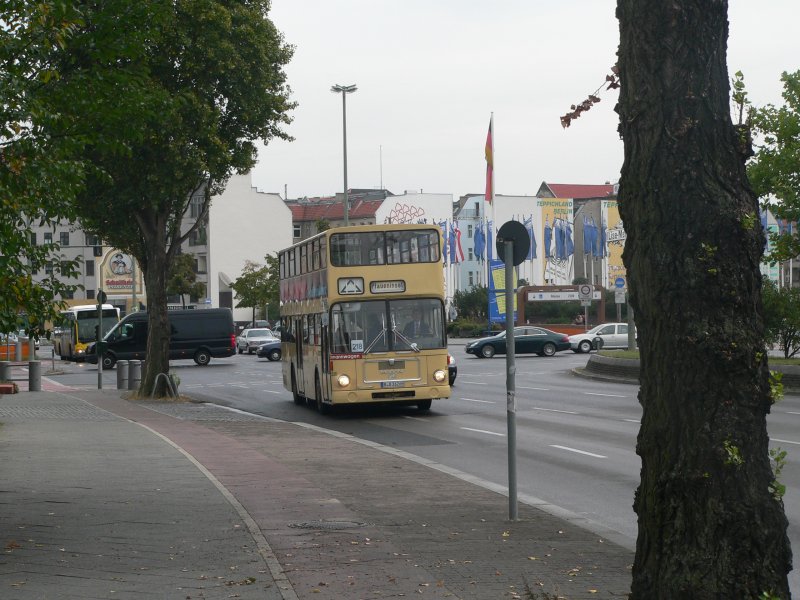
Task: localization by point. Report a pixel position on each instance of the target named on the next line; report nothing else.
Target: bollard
(18, 351)
(35, 376)
(5, 370)
(122, 374)
(134, 374)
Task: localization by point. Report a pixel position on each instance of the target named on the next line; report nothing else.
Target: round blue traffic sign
(619, 282)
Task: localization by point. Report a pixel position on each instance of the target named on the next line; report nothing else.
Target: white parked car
(607, 335)
(250, 339)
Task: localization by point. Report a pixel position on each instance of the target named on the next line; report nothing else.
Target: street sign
(101, 297)
(619, 296)
(586, 302)
(517, 233)
(619, 282)
(584, 291)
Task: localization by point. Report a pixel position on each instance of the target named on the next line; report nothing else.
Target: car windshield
(259, 333)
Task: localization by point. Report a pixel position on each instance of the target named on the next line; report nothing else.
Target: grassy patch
(776, 360)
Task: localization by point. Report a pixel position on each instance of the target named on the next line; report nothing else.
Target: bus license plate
(391, 384)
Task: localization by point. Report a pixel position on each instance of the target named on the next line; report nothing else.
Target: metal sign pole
(511, 402)
(97, 343)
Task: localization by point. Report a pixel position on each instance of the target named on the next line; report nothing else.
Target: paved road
(575, 437)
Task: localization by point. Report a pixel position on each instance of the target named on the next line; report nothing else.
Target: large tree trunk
(710, 524)
(154, 270)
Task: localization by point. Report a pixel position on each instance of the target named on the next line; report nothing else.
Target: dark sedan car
(527, 339)
(270, 350)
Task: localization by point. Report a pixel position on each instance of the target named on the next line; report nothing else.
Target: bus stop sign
(517, 233)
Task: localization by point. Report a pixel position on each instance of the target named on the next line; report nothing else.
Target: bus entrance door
(298, 355)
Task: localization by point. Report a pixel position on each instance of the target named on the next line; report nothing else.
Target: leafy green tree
(258, 285)
(709, 524)
(782, 317)
(472, 303)
(322, 224)
(182, 279)
(192, 85)
(774, 171)
(38, 173)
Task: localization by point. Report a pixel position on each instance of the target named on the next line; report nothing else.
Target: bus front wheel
(424, 404)
(322, 408)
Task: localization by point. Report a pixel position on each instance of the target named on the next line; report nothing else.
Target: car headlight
(343, 380)
(439, 376)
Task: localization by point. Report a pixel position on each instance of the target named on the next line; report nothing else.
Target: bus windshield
(409, 324)
(87, 323)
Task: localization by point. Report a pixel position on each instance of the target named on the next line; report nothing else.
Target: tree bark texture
(710, 524)
(154, 269)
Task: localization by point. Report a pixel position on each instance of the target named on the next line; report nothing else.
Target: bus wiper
(381, 335)
(399, 335)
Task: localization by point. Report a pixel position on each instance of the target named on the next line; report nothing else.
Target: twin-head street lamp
(344, 90)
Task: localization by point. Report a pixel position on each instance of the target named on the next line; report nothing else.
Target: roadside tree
(258, 285)
(201, 81)
(774, 171)
(38, 173)
(182, 279)
(710, 524)
(782, 317)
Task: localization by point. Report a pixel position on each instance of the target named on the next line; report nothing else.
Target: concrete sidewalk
(107, 498)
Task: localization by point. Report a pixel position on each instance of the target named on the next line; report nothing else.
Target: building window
(33, 238)
(90, 294)
(296, 231)
(68, 294)
(196, 207)
(89, 268)
(48, 237)
(198, 237)
(201, 264)
(469, 231)
(471, 281)
(64, 238)
(92, 240)
(470, 256)
(48, 268)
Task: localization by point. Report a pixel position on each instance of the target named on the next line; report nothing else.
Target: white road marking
(414, 418)
(482, 401)
(566, 412)
(271, 392)
(522, 387)
(475, 382)
(789, 412)
(637, 421)
(577, 451)
(606, 395)
(484, 431)
(784, 441)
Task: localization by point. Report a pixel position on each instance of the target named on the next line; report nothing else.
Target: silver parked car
(607, 335)
(250, 339)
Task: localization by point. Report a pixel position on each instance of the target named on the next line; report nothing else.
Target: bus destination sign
(397, 286)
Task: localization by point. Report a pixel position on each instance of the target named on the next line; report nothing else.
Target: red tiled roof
(577, 190)
(325, 208)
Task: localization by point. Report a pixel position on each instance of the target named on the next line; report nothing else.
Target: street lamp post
(344, 90)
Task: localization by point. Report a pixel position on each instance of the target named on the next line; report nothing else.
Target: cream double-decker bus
(363, 318)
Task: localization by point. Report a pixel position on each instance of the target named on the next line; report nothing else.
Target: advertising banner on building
(497, 294)
(614, 242)
(557, 242)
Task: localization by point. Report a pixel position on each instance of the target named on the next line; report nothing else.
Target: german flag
(489, 164)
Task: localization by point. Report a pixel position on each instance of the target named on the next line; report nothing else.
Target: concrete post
(122, 374)
(35, 376)
(134, 374)
(18, 351)
(5, 370)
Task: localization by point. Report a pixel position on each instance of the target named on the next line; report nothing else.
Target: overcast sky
(431, 72)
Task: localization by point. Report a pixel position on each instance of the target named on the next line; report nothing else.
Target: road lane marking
(566, 412)
(784, 441)
(522, 387)
(637, 421)
(475, 382)
(484, 431)
(577, 451)
(789, 412)
(272, 391)
(414, 418)
(474, 400)
(605, 395)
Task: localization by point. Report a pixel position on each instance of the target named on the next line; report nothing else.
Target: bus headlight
(439, 376)
(343, 380)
